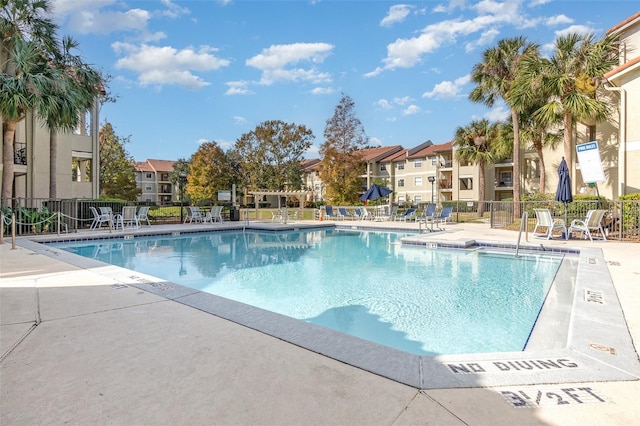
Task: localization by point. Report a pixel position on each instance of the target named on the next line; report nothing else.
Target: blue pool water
(363, 283)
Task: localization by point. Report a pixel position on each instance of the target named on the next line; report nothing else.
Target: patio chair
(328, 213)
(443, 217)
(428, 214)
(143, 215)
(194, 215)
(129, 217)
(344, 214)
(215, 215)
(409, 214)
(363, 214)
(99, 218)
(593, 222)
(544, 220)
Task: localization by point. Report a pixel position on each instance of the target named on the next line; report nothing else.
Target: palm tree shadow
(356, 320)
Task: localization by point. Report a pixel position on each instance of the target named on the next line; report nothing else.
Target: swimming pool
(362, 283)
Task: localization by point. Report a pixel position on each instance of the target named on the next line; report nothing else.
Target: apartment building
(311, 179)
(152, 178)
(77, 159)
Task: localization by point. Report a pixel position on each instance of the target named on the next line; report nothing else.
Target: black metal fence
(38, 215)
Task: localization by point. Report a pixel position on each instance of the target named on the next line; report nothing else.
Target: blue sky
(187, 72)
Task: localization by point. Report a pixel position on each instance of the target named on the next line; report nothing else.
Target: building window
(383, 167)
(434, 161)
(417, 199)
(400, 166)
(417, 181)
(400, 182)
(148, 175)
(147, 188)
(80, 169)
(466, 183)
(417, 163)
(401, 199)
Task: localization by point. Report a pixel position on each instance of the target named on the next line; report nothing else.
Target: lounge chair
(215, 215)
(544, 220)
(344, 214)
(443, 217)
(364, 214)
(99, 218)
(408, 214)
(129, 217)
(328, 213)
(143, 215)
(194, 215)
(593, 222)
(428, 214)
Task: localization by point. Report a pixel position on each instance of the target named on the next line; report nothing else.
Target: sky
(188, 72)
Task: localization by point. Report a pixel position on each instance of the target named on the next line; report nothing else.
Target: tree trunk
(516, 163)
(538, 146)
(568, 148)
(53, 164)
(7, 159)
(481, 182)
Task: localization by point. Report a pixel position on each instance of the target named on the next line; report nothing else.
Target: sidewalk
(81, 348)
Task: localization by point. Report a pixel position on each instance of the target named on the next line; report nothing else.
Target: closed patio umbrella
(563, 192)
(375, 192)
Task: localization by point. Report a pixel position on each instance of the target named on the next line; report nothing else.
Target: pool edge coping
(582, 360)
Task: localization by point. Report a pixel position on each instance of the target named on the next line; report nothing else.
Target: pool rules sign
(590, 164)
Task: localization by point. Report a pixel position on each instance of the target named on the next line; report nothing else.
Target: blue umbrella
(563, 193)
(375, 192)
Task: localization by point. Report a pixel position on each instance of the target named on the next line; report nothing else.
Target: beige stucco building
(77, 159)
(152, 178)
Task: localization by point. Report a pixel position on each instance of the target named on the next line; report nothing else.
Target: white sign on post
(224, 195)
(590, 163)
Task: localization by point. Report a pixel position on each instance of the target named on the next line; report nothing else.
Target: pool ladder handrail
(523, 222)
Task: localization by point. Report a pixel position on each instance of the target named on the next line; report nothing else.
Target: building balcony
(445, 184)
(20, 153)
(504, 186)
(446, 164)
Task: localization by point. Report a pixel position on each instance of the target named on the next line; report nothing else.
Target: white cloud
(580, 29)
(383, 103)
(535, 3)
(453, 5)
(322, 91)
(165, 65)
(397, 13)
(401, 101)
(278, 62)
(411, 109)
(448, 89)
(497, 113)
(238, 88)
(408, 52)
(558, 20)
(486, 38)
(239, 120)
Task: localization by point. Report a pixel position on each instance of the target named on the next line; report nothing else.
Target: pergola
(301, 195)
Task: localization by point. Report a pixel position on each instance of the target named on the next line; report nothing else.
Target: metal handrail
(523, 222)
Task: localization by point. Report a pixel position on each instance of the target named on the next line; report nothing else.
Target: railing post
(1, 227)
(58, 224)
(13, 231)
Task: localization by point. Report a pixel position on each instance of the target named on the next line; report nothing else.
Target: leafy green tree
(117, 175)
(180, 167)
(209, 171)
(270, 155)
(479, 143)
(569, 79)
(494, 78)
(341, 164)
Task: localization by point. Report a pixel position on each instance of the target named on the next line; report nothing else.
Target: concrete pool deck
(79, 347)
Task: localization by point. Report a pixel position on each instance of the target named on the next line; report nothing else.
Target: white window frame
(417, 181)
(417, 163)
(400, 183)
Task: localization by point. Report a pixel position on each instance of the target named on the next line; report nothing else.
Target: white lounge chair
(99, 218)
(546, 221)
(143, 215)
(215, 215)
(129, 217)
(593, 222)
(194, 215)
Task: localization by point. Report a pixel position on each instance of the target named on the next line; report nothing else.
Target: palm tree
(494, 77)
(39, 77)
(479, 143)
(569, 79)
(77, 90)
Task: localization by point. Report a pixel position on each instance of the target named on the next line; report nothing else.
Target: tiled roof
(432, 149)
(142, 166)
(623, 23)
(375, 154)
(622, 67)
(310, 164)
(161, 165)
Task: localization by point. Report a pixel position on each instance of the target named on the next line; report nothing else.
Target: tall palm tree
(494, 78)
(479, 143)
(569, 79)
(28, 35)
(77, 90)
